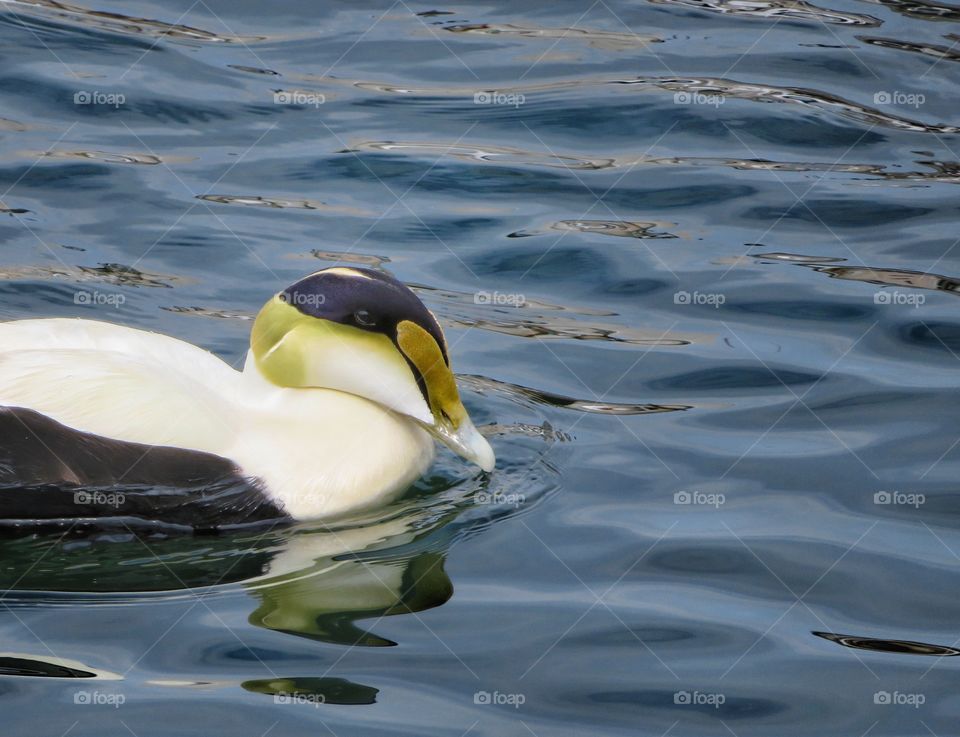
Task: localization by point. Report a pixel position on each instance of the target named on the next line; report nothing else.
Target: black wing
(53, 473)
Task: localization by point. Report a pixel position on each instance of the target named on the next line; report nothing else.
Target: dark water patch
(635, 287)
(936, 335)
(30, 176)
(730, 708)
(812, 311)
(900, 647)
(254, 70)
(39, 667)
(839, 214)
(732, 378)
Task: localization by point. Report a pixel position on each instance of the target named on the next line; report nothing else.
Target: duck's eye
(362, 317)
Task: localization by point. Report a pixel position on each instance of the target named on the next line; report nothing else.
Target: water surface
(696, 263)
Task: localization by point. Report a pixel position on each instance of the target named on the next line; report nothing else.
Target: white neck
(322, 452)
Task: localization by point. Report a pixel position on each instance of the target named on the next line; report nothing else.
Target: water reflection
(942, 171)
(902, 647)
(108, 157)
(870, 274)
(789, 9)
(315, 582)
(120, 23)
(281, 203)
(893, 277)
(684, 594)
(530, 318)
(539, 397)
(616, 228)
(47, 666)
(933, 50)
(922, 9)
(601, 39)
(312, 690)
(720, 87)
(320, 584)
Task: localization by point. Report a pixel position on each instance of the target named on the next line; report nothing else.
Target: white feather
(318, 452)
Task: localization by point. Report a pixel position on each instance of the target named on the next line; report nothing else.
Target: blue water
(696, 261)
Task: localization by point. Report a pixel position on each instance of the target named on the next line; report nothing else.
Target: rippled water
(696, 263)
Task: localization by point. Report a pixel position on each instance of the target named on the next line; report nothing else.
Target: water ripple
(594, 406)
(824, 102)
(870, 274)
(922, 9)
(902, 647)
(933, 50)
(495, 154)
(788, 9)
(602, 39)
(540, 320)
(617, 228)
(281, 203)
(119, 23)
(111, 158)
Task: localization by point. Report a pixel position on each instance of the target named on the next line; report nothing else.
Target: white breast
(318, 452)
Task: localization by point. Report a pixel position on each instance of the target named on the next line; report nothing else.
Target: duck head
(363, 332)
